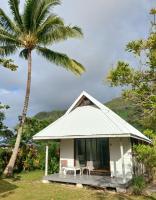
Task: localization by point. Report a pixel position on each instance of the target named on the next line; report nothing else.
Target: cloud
(107, 27)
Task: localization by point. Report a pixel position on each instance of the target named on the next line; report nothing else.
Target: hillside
(126, 110)
(123, 108)
(52, 115)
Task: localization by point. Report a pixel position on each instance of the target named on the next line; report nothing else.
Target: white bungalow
(92, 139)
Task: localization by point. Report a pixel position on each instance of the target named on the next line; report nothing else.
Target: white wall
(116, 161)
(67, 151)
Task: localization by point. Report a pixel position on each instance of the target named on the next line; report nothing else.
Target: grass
(28, 186)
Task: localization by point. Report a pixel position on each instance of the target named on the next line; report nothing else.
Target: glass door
(103, 153)
(93, 151)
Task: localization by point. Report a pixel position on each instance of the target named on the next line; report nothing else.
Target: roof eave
(91, 136)
(80, 136)
(140, 138)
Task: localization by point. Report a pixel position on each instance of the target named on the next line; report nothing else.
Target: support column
(122, 160)
(46, 160)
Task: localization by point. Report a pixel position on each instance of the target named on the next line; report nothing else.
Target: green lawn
(27, 186)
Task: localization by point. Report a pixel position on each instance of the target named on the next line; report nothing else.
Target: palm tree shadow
(6, 188)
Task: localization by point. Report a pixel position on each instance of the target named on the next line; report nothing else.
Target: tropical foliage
(31, 155)
(8, 63)
(146, 154)
(5, 133)
(138, 185)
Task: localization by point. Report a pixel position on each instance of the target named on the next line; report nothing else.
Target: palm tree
(35, 29)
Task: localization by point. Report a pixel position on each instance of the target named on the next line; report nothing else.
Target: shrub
(53, 159)
(31, 157)
(4, 158)
(138, 185)
(146, 154)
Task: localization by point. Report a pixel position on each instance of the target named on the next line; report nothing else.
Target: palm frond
(59, 33)
(6, 40)
(7, 50)
(7, 23)
(14, 7)
(35, 12)
(6, 33)
(29, 12)
(24, 54)
(8, 63)
(42, 10)
(62, 60)
(49, 24)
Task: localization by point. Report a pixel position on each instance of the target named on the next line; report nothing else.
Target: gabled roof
(88, 118)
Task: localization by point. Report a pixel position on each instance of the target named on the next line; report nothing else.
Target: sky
(108, 25)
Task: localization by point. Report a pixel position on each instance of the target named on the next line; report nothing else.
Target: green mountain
(53, 115)
(126, 110)
(123, 108)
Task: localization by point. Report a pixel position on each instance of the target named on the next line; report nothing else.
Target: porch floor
(90, 180)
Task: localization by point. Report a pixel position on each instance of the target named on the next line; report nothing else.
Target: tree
(146, 154)
(6, 136)
(35, 29)
(31, 127)
(141, 79)
(5, 133)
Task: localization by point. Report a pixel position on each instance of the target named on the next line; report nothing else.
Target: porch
(106, 157)
(89, 180)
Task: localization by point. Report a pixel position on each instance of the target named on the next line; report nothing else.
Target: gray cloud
(107, 27)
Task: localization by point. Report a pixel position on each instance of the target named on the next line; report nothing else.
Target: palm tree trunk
(9, 168)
